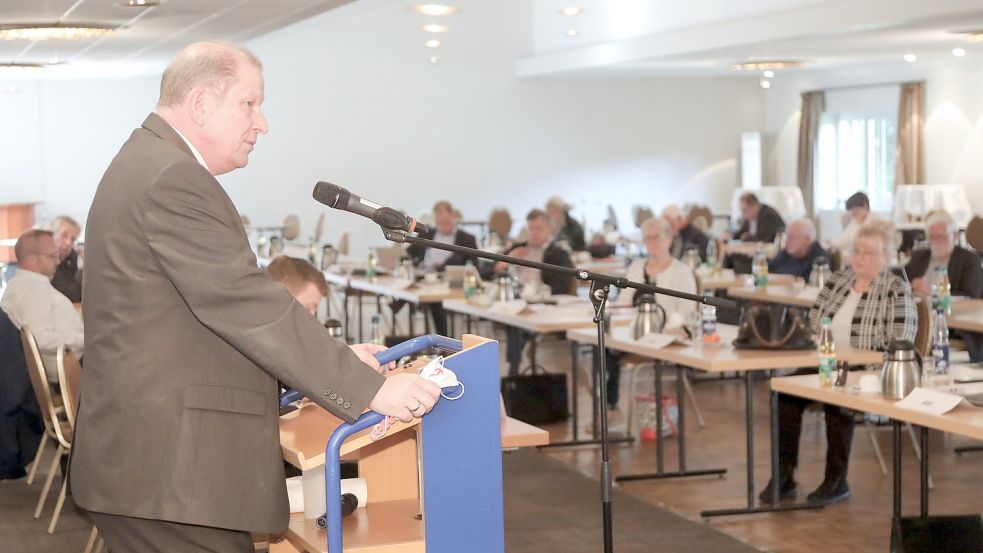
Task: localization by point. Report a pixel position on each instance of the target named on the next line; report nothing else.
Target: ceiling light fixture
(432, 43)
(910, 58)
(435, 10)
(769, 74)
(434, 60)
(571, 11)
(55, 31)
(976, 37)
(435, 28)
(764, 83)
(958, 52)
(571, 32)
(139, 4)
(766, 65)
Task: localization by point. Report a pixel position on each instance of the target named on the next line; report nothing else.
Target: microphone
(388, 218)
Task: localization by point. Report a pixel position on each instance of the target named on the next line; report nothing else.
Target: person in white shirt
(31, 300)
(858, 206)
(661, 269)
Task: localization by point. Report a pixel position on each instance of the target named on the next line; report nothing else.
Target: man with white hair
(801, 250)
(685, 236)
(965, 272)
(177, 445)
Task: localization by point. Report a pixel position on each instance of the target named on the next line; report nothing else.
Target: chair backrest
(500, 222)
(70, 377)
(974, 233)
(35, 369)
(922, 334)
(343, 244)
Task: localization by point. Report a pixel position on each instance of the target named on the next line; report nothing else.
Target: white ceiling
(147, 37)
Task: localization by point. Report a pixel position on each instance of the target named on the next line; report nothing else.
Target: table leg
(896, 445)
(924, 482)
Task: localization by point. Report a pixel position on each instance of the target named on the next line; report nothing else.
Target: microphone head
(331, 195)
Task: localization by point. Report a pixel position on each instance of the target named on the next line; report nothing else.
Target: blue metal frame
(332, 450)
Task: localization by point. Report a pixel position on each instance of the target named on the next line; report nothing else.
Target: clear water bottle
(372, 264)
(375, 331)
(712, 252)
(944, 289)
(940, 344)
(470, 280)
(759, 268)
(708, 316)
(695, 323)
(827, 352)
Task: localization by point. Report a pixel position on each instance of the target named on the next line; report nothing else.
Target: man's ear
(197, 105)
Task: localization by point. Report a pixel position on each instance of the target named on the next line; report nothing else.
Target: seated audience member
(869, 307)
(566, 227)
(660, 269)
(965, 272)
(31, 300)
(499, 229)
(432, 259)
(305, 283)
(68, 274)
(858, 206)
(685, 236)
(801, 251)
(540, 246)
(761, 223)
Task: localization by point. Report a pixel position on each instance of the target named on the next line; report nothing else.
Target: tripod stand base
(678, 474)
(762, 509)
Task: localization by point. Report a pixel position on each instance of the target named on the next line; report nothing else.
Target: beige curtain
(813, 104)
(910, 149)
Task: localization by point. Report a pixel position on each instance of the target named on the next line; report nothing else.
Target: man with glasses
(31, 300)
(68, 274)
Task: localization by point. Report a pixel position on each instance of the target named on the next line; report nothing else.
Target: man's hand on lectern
(405, 396)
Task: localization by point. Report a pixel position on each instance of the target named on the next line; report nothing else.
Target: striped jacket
(885, 312)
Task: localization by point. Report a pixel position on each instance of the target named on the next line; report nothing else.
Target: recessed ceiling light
(435, 28)
(910, 58)
(52, 31)
(435, 9)
(764, 83)
(432, 43)
(958, 52)
(769, 74)
(571, 11)
(976, 37)
(139, 4)
(766, 65)
(11, 89)
(571, 32)
(434, 60)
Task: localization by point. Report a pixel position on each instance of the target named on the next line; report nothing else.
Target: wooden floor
(858, 525)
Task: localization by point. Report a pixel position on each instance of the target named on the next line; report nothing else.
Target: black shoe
(788, 489)
(830, 491)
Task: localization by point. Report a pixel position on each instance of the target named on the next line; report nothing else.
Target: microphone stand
(600, 287)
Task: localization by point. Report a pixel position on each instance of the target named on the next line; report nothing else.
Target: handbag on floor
(774, 326)
(645, 415)
(536, 397)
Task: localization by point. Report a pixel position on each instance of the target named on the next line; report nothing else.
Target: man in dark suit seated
(685, 236)
(566, 227)
(432, 259)
(68, 274)
(761, 223)
(540, 246)
(801, 251)
(965, 271)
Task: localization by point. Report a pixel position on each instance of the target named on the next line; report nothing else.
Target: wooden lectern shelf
(394, 529)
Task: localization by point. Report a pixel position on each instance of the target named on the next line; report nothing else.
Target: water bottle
(944, 289)
(940, 344)
(312, 253)
(827, 352)
(470, 280)
(708, 316)
(759, 268)
(695, 323)
(375, 331)
(712, 252)
(372, 265)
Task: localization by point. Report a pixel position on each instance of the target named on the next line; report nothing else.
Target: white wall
(352, 100)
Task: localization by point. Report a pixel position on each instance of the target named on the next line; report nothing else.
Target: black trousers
(137, 535)
(839, 434)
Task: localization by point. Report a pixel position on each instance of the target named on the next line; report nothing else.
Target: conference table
(720, 357)
(797, 295)
(964, 420)
(967, 314)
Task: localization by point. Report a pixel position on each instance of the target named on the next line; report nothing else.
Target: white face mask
(436, 372)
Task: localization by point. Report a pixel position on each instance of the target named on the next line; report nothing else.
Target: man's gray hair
(807, 226)
(211, 65)
(941, 216)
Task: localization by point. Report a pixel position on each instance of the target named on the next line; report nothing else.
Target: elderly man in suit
(761, 223)
(177, 443)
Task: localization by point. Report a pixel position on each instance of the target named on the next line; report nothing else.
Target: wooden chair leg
(93, 539)
(100, 543)
(47, 482)
(37, 458)
(61, 503)
(877, 448)
(692, 399)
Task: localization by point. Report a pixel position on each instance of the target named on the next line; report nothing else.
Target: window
(855, 152)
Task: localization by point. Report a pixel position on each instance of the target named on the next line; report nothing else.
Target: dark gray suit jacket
(185, 340)
(965, 271)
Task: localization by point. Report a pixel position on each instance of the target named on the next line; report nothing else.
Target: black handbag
(774, 326)
(951, 533)
(536, 398)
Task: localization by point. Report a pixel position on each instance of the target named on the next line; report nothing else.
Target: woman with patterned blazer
(869, 307)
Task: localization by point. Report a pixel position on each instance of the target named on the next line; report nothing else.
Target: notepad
(929, 401)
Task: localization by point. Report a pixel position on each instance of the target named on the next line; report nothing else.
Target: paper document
(659, 341)
(513, 307)
(929, 401)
